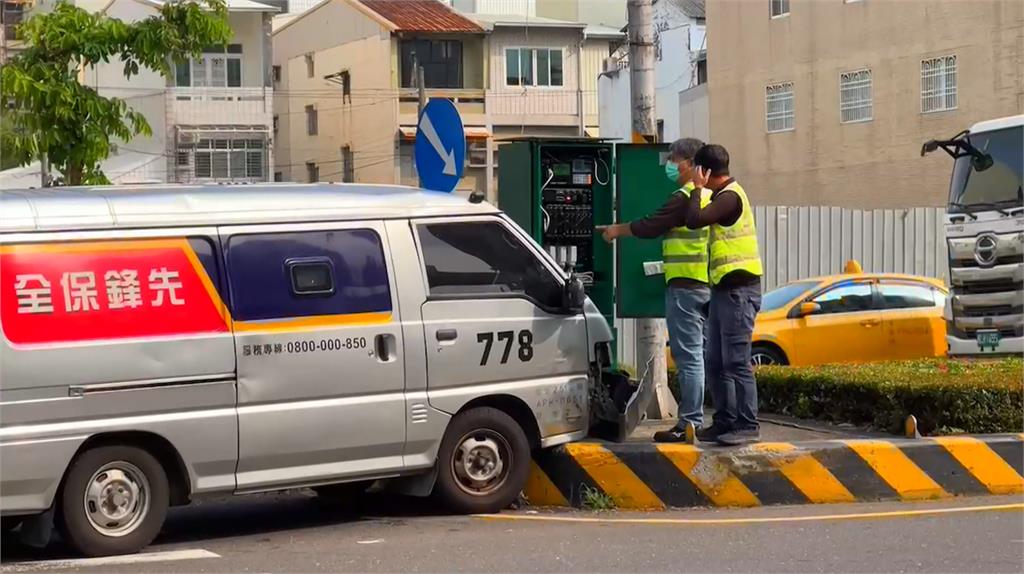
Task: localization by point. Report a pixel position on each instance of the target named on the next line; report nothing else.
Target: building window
(277, 74)
(277, 122)
(227, 159)
(779, 8)
(218, 67)
(533, 67)
(702, 71)
(938, 84)
(779, 112)
(441, 61)
(855, 96)
(476, 153)
(310, 66)
(348, 166)
(312, 121)
(278, 176)
(312, 172)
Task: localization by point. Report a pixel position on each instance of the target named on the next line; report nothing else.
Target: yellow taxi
(854, 317)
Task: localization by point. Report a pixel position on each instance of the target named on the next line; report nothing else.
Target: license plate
(988, 340)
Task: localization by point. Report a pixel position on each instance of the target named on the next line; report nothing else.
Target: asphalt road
(296, 533)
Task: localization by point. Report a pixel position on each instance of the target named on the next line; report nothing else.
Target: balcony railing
(221, 106)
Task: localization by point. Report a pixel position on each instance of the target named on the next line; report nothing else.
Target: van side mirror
(808, 308)
(574, 295)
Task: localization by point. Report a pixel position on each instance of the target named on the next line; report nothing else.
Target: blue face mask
(672, 171)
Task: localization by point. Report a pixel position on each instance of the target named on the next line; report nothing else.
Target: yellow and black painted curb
(655, 476)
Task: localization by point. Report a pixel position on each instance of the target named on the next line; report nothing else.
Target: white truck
(985, 237)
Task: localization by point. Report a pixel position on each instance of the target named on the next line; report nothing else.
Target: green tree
(49, 111)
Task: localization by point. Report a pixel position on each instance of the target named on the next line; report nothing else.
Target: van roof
(126, 206)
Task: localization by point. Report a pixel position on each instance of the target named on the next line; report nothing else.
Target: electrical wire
(546, 217)
(607, 170)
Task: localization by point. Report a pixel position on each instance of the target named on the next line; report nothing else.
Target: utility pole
(650, 333)
(421, 89)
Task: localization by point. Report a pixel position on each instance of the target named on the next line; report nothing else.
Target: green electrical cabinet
(560, 189)
(641, 188)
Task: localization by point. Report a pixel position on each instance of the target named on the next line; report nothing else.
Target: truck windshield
(996, 187)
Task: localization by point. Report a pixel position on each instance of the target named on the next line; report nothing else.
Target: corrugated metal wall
(800, 242)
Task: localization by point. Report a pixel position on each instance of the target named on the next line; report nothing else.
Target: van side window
(481, 259)
(311, 277)
(305, 274)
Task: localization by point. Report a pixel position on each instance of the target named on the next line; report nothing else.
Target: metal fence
(801, 242)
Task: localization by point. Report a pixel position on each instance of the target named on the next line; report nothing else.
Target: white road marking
(168, 556)
(374, 541)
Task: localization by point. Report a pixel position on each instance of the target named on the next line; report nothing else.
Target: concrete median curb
(657, 476)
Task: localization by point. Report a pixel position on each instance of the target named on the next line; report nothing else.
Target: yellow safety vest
(684, 251)
(734, 247)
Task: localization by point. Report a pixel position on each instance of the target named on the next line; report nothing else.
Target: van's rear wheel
(114, 501)
(483, 462)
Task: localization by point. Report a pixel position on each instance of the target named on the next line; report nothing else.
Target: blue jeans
(686, 311)
(730, 375)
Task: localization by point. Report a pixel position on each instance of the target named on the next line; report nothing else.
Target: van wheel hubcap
(481, 461)
(117, 498)
(759, 359)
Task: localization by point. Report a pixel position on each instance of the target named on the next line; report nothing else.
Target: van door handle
(447, 334)
(383, 346)
(870, 322)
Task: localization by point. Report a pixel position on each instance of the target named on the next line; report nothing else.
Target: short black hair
(713, 157)
(685, 148)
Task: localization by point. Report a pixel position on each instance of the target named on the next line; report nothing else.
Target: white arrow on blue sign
(440, 148)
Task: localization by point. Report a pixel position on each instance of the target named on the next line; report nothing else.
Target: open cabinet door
(641, 188)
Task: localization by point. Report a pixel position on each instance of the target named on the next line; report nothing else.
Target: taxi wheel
(113, 501)
(483, 462)
(761, 355)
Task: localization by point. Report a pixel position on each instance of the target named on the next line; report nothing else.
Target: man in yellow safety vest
(685, 263)
(735, 272)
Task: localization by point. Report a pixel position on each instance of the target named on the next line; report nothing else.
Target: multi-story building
(605, 13)
(346, 97)
(211, 120)
(680, 76)
(827, 102)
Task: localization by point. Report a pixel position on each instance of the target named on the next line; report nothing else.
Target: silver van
(167, 341)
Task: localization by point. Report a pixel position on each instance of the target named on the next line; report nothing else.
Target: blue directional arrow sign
(440, 146)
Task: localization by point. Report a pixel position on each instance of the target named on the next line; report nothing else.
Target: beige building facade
(827, 102)
(346, 102)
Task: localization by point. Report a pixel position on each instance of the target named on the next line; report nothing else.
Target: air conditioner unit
(610, 65)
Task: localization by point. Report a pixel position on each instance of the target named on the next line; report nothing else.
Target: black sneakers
(739, 436)
(674, 434)
(711, 433)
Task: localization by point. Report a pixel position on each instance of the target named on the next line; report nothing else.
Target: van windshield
(996, 187)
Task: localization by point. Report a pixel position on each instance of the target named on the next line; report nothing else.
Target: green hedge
(946, 396)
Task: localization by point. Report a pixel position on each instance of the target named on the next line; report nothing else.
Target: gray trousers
(730, 375)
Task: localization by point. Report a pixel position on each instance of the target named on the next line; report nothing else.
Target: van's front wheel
(114, 501)
(483, 462)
